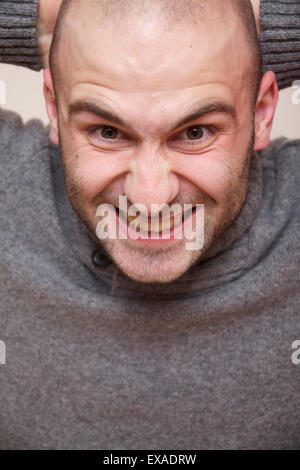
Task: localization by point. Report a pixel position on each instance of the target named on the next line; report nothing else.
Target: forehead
(144, 58)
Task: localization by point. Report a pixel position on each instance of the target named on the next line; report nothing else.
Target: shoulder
(281, 179)
(25, 162)
(15, 134)
(20, 146)
(284, 156)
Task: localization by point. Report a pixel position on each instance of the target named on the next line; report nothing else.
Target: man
(140, 343)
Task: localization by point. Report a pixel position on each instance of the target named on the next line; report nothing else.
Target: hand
(47, 16)
(256, 9)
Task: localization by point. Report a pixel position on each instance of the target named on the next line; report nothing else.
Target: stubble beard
(164, 265)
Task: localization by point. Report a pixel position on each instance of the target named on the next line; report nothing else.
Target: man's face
(152, 79)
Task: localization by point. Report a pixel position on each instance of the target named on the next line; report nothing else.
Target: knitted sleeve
(280, 39)
(18, 36)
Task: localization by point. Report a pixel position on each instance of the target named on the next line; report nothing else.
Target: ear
(265, 110)
(51, 105)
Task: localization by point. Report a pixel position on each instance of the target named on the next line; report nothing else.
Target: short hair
(179, 11)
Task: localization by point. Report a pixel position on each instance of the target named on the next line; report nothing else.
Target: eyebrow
(207, 107)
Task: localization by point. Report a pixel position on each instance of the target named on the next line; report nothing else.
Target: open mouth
(155, 225)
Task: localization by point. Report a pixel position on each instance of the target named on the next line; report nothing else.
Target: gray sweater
(97, 361)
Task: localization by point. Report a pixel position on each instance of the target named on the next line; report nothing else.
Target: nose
(151, 180)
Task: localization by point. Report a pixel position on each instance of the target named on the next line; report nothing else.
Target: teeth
(178, 219)
(131, 218)
(155, 225)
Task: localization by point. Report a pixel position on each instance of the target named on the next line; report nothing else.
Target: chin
(151, 277)
(151, 266)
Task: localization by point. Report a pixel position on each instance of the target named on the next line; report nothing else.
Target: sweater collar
(226, 260)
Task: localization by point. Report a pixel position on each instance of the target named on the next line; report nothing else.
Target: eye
(195, 132)
(196, 137)
(106, 135)
(108, 132)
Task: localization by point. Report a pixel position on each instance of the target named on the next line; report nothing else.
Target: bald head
(169, 14)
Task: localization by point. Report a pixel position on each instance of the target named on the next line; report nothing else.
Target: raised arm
(47, 15)
(26, 29)
(279, 27)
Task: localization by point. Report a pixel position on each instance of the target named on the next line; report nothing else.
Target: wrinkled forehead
(143, 53)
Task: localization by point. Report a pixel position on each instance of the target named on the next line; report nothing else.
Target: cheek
(217, 171)
(88, 170)
(211, 174)
(92, 171)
